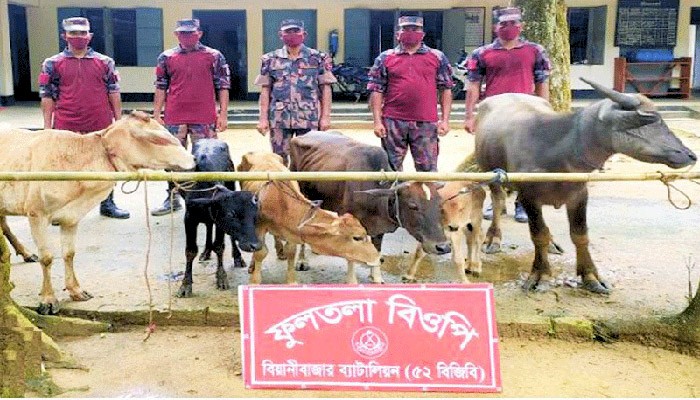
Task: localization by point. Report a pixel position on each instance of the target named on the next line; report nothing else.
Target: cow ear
(376, 192)
(201, 202)
(140, 115)
(323, 228)
(623, 120)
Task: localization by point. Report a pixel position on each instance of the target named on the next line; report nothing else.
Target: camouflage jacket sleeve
(263, 79)
(444, 73)
(48, 79)
(542, 64)
(222, 75)
(111, 76)
(325, 68)
(162, 75)
(378, 77)
(474, 65)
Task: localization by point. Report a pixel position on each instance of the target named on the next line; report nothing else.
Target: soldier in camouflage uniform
(403, 82)
(296, 89)
(188, 78)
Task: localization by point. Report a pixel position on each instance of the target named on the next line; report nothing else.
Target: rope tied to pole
(500, 178)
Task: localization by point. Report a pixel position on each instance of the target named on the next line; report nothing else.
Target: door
(19, 49)
(225, 30)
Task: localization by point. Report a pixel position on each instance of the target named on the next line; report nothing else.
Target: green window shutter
(149, 35)
(595, 52)
(357, 37)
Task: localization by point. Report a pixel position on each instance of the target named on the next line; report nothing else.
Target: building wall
(42, 25)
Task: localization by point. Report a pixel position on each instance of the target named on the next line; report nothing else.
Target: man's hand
(222, 122)
(443, 127)
(469, 124)
(263, 126)
(158, 118)
(379, 130)
(324, 124)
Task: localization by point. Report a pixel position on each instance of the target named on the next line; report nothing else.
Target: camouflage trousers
(279, 139)
(195, 131)
(421, 137)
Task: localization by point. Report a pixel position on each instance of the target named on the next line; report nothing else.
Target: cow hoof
(205, 256)
(32, 258)
(408, 279)
(554, 248)
(473, 273)
(492, 248)
(543, 286)
(303, 267)
(80, 296)
(222, 284)
(280, 255)
(47, 308)
(530, 283)
(185, 291)
(597, 287)
(239, 263)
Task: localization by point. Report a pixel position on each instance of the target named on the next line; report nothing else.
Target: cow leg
(68, 245)
(219, 245)
(238, 261)
(16, 244)
(578, 229)
(279, 248)
(376, 272)
(48, 303)
(206, 254)
(541, 272)
(255, 268)
(351, 274)
(290, 253)
(474, 234)
(302, 264)
(492, 244)
(457, 241)
(418, 255)
(190, 254)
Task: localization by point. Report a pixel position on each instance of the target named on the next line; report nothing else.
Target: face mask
(411, 38)
(188, 41)
(509, 32)
(293, 39)
(78, 43)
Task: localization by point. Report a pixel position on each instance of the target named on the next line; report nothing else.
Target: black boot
(109, 209)
(167, 207)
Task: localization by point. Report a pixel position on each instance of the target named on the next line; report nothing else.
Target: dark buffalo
(222, 209)
(521, 133)
(381, 209)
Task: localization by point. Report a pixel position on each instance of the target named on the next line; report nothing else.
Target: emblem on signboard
(369, 342)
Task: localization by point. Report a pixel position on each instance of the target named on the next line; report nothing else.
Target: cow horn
(627, 101)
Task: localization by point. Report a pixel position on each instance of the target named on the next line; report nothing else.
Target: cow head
(415, 206)
(138, 141)
(236, 213)
(637, 129)
(212, 155)
(460, 199)
(343, 237)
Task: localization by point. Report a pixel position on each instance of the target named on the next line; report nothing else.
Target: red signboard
(385, 337)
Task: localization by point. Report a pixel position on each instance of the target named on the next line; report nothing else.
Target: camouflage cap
(187, 25)
(76, 24)
(410, 20)
(507, 14)
(291, 23)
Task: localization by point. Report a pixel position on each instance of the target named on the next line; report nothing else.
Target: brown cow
(381, 209)
(461, 219)
(135, 141)
(521, 133)
(287, 214)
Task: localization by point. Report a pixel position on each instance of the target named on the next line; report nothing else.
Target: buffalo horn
(628, 102)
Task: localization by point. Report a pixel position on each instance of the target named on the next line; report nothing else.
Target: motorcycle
(352, 80)
(459, 76)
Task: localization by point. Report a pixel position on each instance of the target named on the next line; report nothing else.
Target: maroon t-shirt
(190, 78)
(80, 87)
(410, 82)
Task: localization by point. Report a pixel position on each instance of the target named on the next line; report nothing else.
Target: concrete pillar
(7, 90)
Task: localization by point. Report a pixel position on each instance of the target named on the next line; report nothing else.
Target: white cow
(135, 141)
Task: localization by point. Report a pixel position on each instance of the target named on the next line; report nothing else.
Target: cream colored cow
(135, 141)
(461, 219)
(287, 214)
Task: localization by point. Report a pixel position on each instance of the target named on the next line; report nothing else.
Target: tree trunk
(691, 315)
(545, 23)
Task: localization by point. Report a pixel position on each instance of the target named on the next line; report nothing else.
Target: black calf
(219, 207)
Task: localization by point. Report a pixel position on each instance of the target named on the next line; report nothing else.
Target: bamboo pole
(514, 177)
